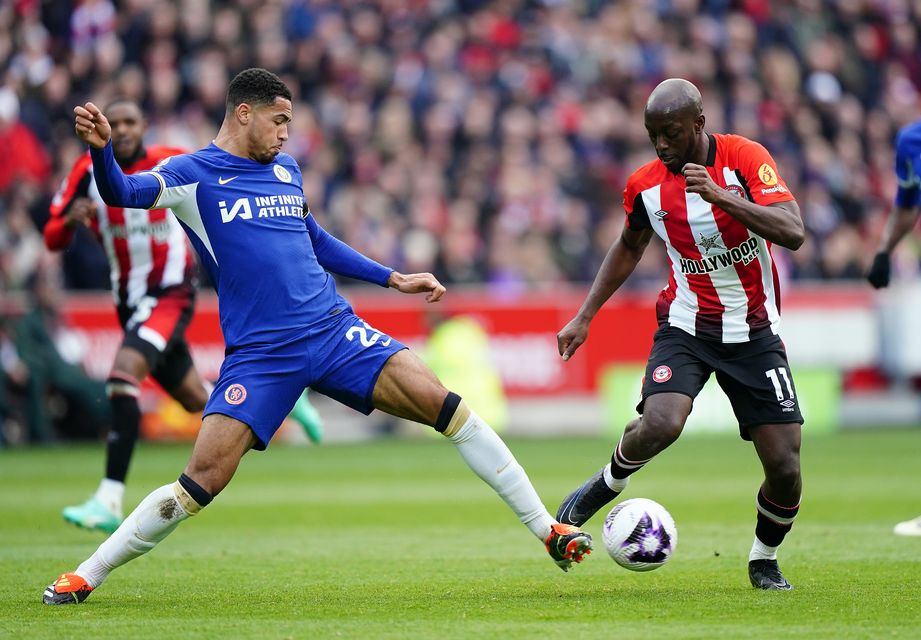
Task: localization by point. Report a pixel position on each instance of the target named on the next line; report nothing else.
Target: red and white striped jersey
(724, 284)
(148, 250)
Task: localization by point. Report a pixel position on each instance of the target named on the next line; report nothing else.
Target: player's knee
(784, 473)
(452, 416)
(122, 383)
(659, 429)
(193, 403)
(192, 497)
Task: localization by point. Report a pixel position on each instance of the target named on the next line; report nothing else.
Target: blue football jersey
(247, 222)
(908, 165)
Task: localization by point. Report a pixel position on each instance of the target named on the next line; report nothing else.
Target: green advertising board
(818, 391)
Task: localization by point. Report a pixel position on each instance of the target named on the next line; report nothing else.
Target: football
(639, 534)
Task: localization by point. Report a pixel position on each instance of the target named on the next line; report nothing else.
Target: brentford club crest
(661, 374)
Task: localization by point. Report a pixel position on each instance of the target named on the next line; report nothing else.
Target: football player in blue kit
(241, 202)
(902, 220)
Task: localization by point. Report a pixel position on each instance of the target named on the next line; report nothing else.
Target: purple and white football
(639, 534)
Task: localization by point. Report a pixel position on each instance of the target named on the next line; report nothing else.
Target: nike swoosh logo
(222, 181)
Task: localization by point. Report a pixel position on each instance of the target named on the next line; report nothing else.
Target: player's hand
(91, 126)
(571, 337)
(697, 180)
(82, 211)
(417, 283)
(878, 275)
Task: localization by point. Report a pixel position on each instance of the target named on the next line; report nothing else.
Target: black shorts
(755, 375)
(156, 327)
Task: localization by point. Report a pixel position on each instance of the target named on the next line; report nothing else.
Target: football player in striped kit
(718, 203)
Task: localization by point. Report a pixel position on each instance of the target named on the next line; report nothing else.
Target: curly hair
(255, 87)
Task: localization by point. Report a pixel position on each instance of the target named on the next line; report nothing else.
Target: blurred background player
(152, 274)
(717, 202)
(902, 220)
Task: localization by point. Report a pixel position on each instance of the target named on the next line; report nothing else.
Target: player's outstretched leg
(221, 443)
(154, 519)
(407, 388)
(489, 457)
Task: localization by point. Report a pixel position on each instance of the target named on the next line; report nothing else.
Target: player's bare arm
(619, 263)
(417, 283)
(779, 223)
(902, 220)
(91, 126)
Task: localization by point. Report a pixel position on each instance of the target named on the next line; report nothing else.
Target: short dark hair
(122, 100)
(256, 87)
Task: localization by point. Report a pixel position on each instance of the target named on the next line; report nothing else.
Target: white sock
(488, 457)
(110, 493)
(154, 519)
(761, 551)
(614, 484)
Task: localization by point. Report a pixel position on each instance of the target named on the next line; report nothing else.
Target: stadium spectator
(509, 115)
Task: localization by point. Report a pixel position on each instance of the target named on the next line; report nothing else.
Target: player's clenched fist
(571, 337)
(697, 180)
(91, 126)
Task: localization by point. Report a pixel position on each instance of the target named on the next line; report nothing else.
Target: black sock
(774, 521)
(126, 423)
(621, 467)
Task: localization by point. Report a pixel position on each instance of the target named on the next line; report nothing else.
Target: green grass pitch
(397, 539)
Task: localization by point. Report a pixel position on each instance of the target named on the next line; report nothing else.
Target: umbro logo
(222, 181)
(788, 403)
(660, 214)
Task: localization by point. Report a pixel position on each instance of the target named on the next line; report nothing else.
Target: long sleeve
(118, 190)
(76, 185)
(339, 258)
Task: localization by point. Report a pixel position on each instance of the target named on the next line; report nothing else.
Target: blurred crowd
(487, 142)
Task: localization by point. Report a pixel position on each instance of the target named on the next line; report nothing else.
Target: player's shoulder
(733, 144)
(288, 162)
(648, 175)
(909, 137)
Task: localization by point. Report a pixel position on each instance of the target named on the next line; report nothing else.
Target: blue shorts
(341, 358)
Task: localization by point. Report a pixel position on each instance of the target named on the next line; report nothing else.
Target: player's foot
(584, 502)
(567, 544)
(309, 418)
(68, 589)
(92, 514)
(765, 574)
(908, 528)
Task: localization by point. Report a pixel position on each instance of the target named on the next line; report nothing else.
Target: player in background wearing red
(152, 273)
(901, 221)
(718, 203)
